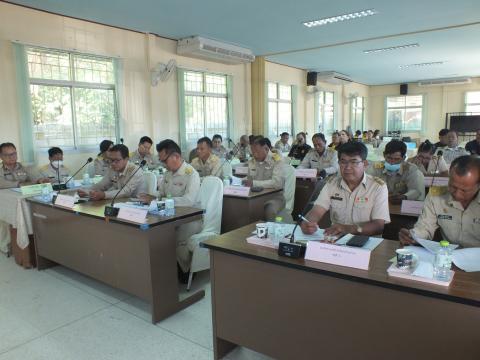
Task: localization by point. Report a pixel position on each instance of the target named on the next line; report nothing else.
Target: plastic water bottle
(46, 194)
(86, 179)
(443, 262)
(169, 206)
(277, 231)
(226, 181)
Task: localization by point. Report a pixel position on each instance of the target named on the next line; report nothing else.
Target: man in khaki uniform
(282, 145)
(267, 170)
(55, 171)
(143, 153)
(243, 150)
(456, 210)
(12, 173)
(206, 163)
(323, 159)
(404, 180)
(358, 202)
(452, 150)
(117, 176)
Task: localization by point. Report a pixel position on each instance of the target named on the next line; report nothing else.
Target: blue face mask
(392, 167)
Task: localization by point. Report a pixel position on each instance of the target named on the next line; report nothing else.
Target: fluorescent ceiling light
(398, 47)
(419, 65)
(334, 19)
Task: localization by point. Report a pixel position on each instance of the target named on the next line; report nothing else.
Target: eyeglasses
(11, 155)
(352, 163)
(115, 161)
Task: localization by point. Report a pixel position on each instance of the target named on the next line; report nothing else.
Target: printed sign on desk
(242, 191)
(338, 255)
(438, 181)
(411, 207)
(65, 201)
(31, 190)
(132, 214)
(241, 170)
(306, 173)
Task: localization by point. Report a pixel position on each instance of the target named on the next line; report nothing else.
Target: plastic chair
(211, 200)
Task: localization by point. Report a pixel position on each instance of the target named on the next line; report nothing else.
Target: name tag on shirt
(336, 198)
(444, 217)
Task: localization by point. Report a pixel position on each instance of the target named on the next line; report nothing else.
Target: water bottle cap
(278, 219)
(444, 243)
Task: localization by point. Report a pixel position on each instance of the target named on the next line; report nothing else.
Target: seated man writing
(358, 202)
(456, 211)
(117, 175)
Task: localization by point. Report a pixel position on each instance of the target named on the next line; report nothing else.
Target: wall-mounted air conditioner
(203, 48)
(446, 81)
(333, 77)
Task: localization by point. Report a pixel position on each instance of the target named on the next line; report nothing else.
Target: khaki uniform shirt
(457, 225)
(13, 179)
(243, 153)
(367, 202)
(280, 146)
(101, 166)
(269, 173)
(450, 154)
(432, 165)
(183, 185)
(136, 158)
(408, 181)
(328, 161)
(222, 152)
(113, 181)
(213, 166)
(48, 171)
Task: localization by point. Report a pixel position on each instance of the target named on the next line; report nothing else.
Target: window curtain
(118, 69)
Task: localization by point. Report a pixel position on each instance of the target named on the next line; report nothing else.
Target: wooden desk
(298, 309)
(240, 211)
(140, 260)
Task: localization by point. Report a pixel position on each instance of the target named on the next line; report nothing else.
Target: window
(472, 102)
(326, 112)
(205, 106)
(357, 113)
(280, 116)
(73, 98)
(404, 113)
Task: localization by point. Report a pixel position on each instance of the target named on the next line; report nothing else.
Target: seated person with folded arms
(282, 145)
(456, 210)
(267, 170)
(55, 171)
(427, 162)
(358, 202)
(452, 150)
(206, 163)
(117, 175)
(218, 149)
(300, 148)
(404, 180)
(143, 153)
(323, 159)
(102, 162)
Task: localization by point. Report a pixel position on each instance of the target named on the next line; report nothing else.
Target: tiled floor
(60, 314)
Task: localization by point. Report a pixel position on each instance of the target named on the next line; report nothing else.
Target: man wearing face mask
(404, 180)
(54, 171)
(323, 159)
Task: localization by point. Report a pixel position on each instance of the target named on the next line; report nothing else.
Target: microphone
(121, 141)
(110, 210)
(89, 160)
(439, 154)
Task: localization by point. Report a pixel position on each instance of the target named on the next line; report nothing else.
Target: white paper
(424, 269)
(241, 170)
(411, 207)
(134, 215)
(433, 246)
(236, 181)
(316, 236)
(131, 205)
(467, 259)
(65, 201)
(242, 191)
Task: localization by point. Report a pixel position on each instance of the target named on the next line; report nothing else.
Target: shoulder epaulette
(437, 190)
(378, 180)
(331, 178)
(276, 157)
(379, 165)
(188, 170)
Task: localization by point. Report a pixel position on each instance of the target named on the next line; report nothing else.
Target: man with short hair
(55, 171)
(456, 210)
(442, 136)
(452, 150)
(358, 202)
(243, 149)
(474, 146)
(143, 153)
(12, 173)
(404, 180)
(117, 176)
(218, 149)
(323, 159)
(207, 163)
(282, 145)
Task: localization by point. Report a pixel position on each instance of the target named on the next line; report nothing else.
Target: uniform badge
(361, 200)
(336, 198)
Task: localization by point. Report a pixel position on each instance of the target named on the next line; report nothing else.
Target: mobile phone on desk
(357, 241)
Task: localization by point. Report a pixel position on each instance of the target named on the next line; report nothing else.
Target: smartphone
(357, 241)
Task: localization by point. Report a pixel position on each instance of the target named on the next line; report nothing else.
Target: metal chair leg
(190, 277)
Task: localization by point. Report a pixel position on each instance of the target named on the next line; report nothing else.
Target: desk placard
(338, 255)
(438, 181)
(131, 214)
(242, 191)
(65, 201)
(32, 190)
(411, 207)
(306, 173)
(241, 170)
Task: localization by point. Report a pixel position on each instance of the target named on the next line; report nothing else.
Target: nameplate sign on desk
(242, 191)
(267, 242)
(65, 201)
(338, 255)
(131, 214)
(31, 190)
(411, 207)
(438, 181)
(306, 173)
(241, 170)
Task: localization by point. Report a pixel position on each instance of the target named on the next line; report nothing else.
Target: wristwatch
(359, 229)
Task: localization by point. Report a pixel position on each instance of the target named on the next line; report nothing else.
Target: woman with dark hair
(300, 147)
(102, 162)
(427, 162)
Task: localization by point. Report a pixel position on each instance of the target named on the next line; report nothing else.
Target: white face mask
(57, 163)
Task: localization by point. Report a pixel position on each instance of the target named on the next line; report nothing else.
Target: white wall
(144, 110)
